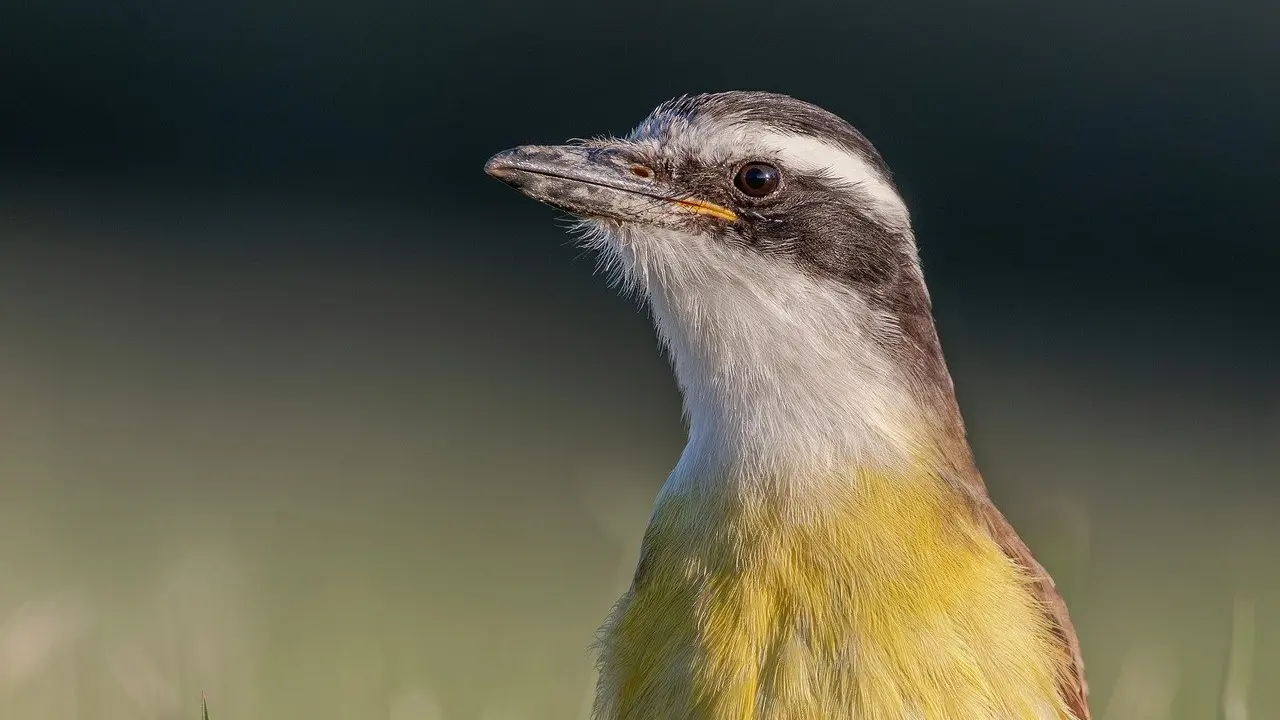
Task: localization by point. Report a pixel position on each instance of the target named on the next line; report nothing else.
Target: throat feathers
(825, 546)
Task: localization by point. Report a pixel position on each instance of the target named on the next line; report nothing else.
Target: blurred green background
(300, 410)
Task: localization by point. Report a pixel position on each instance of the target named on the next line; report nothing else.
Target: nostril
(641, 171)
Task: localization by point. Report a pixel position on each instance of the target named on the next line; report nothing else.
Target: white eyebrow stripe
(809, 154)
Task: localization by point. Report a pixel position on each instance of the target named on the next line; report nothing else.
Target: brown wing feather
(1074, 688)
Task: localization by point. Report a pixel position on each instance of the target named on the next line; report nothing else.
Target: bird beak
(596, 182)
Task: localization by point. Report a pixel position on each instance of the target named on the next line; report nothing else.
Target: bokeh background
(300, 410)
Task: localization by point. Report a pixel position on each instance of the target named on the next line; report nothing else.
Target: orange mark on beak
(702, 207)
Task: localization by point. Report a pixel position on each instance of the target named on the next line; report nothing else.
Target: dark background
(299, 408)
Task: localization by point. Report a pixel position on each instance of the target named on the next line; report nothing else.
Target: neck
(789, 376)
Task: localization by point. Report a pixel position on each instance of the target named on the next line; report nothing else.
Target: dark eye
(757, 179)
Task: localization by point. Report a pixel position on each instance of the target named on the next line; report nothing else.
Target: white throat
(780, 371)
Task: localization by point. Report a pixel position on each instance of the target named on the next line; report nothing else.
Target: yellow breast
(885, 602)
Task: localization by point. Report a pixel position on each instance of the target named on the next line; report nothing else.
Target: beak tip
(499, 166)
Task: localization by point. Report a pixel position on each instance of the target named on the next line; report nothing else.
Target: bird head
(778, 260)
(759, 172)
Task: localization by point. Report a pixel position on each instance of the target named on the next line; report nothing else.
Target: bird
(825, 545)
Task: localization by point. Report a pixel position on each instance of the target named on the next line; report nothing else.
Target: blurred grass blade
(1235, 696)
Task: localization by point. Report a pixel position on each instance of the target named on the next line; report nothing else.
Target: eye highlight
(757, 179)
